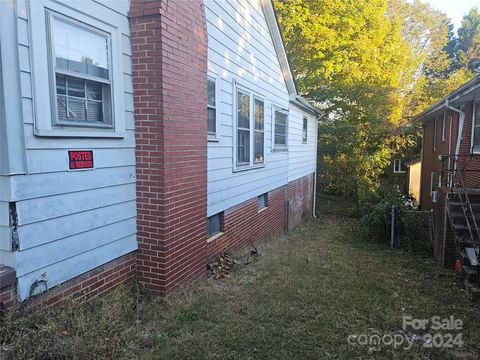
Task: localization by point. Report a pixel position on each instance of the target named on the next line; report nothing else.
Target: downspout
(460, 129)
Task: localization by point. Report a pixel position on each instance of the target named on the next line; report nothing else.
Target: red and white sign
(82, 159)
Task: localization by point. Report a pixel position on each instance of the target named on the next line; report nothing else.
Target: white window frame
(432, 183)
(305, 129)
(253, 95)
(265, 196)
(43, 72)
(286, 112)
(215, 137)
(397, 166)
(444, 126)
(474, 150)
(220, 230)
(435, 135)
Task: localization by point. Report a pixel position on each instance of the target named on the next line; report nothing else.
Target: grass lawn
(299, 298)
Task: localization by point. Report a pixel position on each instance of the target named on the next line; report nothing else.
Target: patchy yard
(300, 298)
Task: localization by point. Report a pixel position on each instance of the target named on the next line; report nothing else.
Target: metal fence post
(392, 228)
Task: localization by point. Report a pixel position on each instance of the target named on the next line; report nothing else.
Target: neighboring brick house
(442, 128)
(139, 138)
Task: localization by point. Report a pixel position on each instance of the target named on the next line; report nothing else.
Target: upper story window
(476, 127)
(434, 143)
(280, 128)
(444, 127)
(212, 108)
(304, 130)
(397, 166)
(250, 130)
(80, 56)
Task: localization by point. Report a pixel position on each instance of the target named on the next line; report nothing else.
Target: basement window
(214, 224)
(262, 201)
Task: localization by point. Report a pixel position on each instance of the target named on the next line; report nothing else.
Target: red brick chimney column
(169, 60)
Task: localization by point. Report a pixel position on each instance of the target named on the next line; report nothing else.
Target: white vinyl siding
(73, 221)
(301, 156)
(241, 52)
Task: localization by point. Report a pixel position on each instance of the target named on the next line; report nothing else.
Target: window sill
(262, 209)
(213, 139)
(81, 133)
(214, 237)
(280, 149)
(248, 167)
(399, 172)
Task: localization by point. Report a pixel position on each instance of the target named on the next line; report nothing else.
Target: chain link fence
(411, 230)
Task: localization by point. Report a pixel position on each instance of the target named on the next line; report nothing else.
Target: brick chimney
(169, 60)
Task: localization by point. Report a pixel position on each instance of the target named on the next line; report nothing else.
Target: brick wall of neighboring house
(444, 246)
(84, 287)
(246, 223)
(169, 60)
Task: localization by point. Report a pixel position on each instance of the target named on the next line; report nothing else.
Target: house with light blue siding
(138, 139)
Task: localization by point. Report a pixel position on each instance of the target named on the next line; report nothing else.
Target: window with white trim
(444, 126)
(476, 127)
(280, 131)
(305, 129)
(81, 61)
(250, 130)
(397, 166)
(432, 184)
(212, 108)
(434, 144)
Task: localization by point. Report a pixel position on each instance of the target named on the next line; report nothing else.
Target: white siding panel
(44, 161)
(301, 156)
(45, 208)
(5, 240)
(53, 252)
(43, 185)
(43, 232)
(240, 48)
(76, 265)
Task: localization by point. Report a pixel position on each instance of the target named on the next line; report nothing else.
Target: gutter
(460, 129)
(453, 96)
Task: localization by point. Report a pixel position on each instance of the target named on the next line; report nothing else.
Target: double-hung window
(397, 166)
(82, 74)
(280, 131)
(212, 108)
(250, 130)
(304, 129)
(444, 127)
(434, 143)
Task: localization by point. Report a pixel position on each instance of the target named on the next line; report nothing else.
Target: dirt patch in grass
(300, 298)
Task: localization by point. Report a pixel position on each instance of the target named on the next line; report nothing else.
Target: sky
(455, 9)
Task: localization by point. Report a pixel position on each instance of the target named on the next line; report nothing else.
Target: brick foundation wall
(245, 223)
(84, 287)
(300, 200)
(169, 72)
